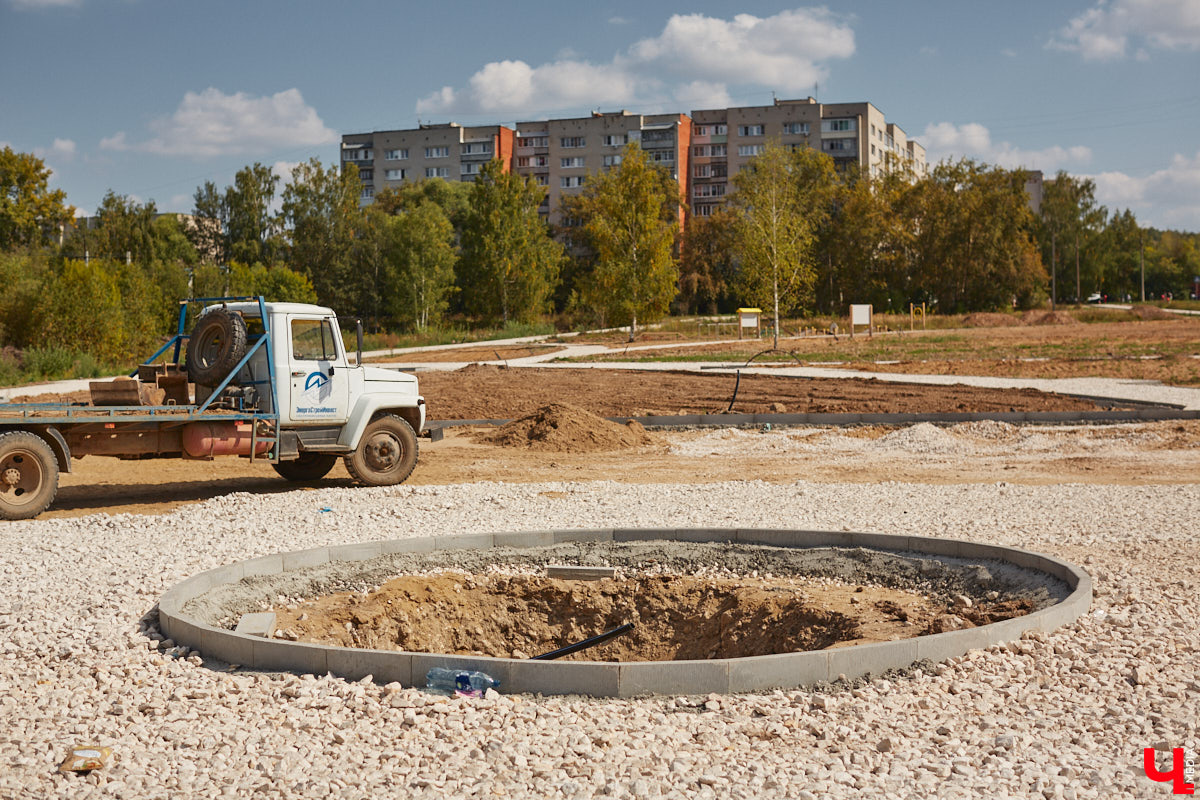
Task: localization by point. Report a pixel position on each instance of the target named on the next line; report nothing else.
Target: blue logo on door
(315, 379)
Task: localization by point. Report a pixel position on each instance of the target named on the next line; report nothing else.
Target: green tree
(276, 283)
(321, 216)
(23, 275)
(252, 225)
(1069, 221)
(209, 231)
(418, 254)
(30, 212)
(782, 198)
(452, 197)
(510, 263)
(81, 308)
(973, 249)
(124, 229)
(629, 219)
(707, 264)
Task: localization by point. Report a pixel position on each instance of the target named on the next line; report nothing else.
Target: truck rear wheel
(386, 454)
(28, 475)
(308, 467)
(217, 344)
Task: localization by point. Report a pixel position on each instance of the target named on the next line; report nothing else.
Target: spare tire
(217, 344)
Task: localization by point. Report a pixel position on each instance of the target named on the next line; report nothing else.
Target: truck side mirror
(358, 332)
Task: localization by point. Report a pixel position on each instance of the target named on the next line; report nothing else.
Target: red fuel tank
(206, 439)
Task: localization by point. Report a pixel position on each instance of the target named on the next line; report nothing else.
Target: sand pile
(989, 319)
(1049, 318)
(565, 428)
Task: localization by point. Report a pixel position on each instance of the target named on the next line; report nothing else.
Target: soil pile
(1152, 312)
(990, 319)
(565, 428)
(1049, 318)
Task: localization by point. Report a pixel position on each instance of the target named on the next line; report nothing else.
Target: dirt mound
(566, 428)
(983, 319)
(1152, 312)
(1049, 318)
(479, 369)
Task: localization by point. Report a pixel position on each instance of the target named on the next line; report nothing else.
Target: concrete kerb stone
(604, 679)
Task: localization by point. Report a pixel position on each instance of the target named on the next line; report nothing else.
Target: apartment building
(724, 140)
(448, 151)
(702, 151)
(560, 153)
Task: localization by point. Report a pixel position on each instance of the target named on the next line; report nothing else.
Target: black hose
(585, 644)
(735, 391)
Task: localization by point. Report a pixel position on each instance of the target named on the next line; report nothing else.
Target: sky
(151, 98)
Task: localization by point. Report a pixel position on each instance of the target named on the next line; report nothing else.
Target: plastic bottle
(459, 680)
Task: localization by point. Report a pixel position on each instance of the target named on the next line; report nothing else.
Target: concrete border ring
(629, 679)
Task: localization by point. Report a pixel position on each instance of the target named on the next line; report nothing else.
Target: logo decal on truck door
(315, 380)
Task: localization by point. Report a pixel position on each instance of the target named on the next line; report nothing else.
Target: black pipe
(585, 644)
(733, 399)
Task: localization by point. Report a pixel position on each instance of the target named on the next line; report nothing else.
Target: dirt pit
(675, 617)
(685, 600)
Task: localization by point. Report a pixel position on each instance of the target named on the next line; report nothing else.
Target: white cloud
(946, 140)
(702, 94)
(1103, 32)
(61, 150)
(212, 123)
(1008, 52)
(1168, 198)
(618, 20)
(703, 54)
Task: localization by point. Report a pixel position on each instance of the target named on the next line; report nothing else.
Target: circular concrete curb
(607, 679)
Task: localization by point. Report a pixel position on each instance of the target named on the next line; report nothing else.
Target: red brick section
(682, 153)
(502, 147)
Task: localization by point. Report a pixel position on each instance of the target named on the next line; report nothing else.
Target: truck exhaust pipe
(208, 439)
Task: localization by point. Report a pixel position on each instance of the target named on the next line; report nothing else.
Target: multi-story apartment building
(724, 140)
(702, 152)
(448, 151)
(560, 153)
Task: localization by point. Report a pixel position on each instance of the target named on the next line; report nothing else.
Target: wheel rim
(20, 478)
(383, 452)
(210, 348)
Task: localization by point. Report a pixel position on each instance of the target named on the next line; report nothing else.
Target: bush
(48, 363)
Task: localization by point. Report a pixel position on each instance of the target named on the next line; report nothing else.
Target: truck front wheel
(308, 467)
(386, 454)
(28, 475)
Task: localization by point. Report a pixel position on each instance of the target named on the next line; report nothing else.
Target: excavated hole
(674, 616)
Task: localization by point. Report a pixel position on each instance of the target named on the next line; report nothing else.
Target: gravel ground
(1059, 715)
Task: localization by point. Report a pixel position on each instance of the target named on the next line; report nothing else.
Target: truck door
(320, 379)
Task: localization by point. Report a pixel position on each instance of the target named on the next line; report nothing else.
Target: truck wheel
(28, 475)
(217, 344)
(308, 467)
(386, 453)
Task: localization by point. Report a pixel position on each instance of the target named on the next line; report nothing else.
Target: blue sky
(151, 97)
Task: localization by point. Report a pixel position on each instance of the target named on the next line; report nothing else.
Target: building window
(614, 140)
(836, 125)
(706, 150)
(357, 155)
(702, 171)
(437, 152)
(661, 156)
(718, 151)
(366, 174)
(840, 145)
(368, 191)
(705, 210)
(533, 141)
(611, 161)
(750, 130)
(394, 174)
(523, 161)
(571, 181)
(437, 172)
(396, 155)
(477, 148)
(470, 169)
(800, 128)
(719, 130)
(542, 180)
(701, 130)
(749, 149)
(572, 141)
(872, 149)
(572, 163)
(709, 190)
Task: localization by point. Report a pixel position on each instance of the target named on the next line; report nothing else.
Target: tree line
(796, 237)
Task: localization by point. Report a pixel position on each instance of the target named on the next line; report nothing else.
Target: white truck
(266, 381)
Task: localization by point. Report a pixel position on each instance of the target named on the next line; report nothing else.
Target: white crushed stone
(1059, 715)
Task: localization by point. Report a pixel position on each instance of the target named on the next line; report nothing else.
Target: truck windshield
(312, 340)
